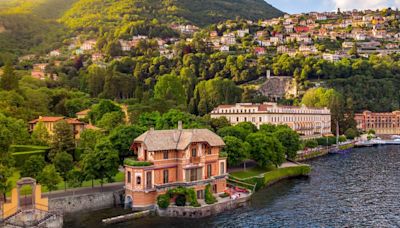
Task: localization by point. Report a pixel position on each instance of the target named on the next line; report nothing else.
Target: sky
(301, 6)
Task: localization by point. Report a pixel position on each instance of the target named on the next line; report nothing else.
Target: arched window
(129, 177)
(138, 180)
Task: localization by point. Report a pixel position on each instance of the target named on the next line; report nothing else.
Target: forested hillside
(40, 25)
(31, 26)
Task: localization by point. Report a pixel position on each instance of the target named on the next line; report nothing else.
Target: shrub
(342, 138)
(209, 197)
(163, 201)
(312, 143)
(191, 194)
(21, 157)
(133, 162)
(351, 133)
(180, 200)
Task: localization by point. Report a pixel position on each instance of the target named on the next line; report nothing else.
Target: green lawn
(26, 190)
(251, 172)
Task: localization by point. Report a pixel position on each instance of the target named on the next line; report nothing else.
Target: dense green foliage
(132, 162)
(209, 198)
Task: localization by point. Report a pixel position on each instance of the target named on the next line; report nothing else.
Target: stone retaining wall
(204, 211)
(86, 202)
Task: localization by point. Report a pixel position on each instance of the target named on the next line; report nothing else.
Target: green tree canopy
(170, 87)
(266, 150)
(49, 177)
(63, 139)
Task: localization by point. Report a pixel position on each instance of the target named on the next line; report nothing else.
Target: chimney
(180, 125)
(268, 74)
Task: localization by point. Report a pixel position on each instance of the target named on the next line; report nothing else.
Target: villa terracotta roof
(73, 121)
(177, 139)
(56, 119)
(47, 119)
(83, 112)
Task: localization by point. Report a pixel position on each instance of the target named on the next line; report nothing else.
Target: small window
(209, 150)
(165, 175)
(138, 180)
(209, 170)
(165, 155)
(129, 176)
(194, 153)
(214, 188)
(222, 168)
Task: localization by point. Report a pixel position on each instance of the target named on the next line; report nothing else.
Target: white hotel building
(308, 122)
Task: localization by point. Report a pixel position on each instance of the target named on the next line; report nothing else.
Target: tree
(111, 120)
(63, 163)
(63, 139)
(100, 163)
(33, 166)
(5, 175)
(169, 87)
(236, 149)
(266, 149)
(40, 135)
(121, 138)
(99, 110)
(351, 133)
(75, 178)
(49, 177)
(9, 80)
(290, 141)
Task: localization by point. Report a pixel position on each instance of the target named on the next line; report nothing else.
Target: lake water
(357, 189)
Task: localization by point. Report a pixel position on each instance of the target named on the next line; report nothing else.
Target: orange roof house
(50, 121)
(179, 157)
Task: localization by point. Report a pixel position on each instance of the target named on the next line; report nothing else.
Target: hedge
(278, 174)
(21, 157)
(27, 148)
(133, 162)
(188, 193)
(209, 198)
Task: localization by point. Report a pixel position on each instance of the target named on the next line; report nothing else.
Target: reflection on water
(360, 188)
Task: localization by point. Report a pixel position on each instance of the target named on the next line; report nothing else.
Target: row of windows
(279, 119)
(294, 111)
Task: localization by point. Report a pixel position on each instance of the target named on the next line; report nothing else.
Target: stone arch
(128, 201)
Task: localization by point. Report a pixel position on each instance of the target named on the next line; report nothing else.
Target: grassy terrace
(271, 174)
(27, 190)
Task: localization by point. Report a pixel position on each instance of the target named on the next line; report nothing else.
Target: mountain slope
(204, 12)
(106, 13)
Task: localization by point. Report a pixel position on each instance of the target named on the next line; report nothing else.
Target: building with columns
(168, 159)
(386, 123)
(308, 122)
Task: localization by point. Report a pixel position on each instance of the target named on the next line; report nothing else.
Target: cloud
(366, 4)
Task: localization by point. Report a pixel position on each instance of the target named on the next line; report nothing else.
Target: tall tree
(40, 135)
(49, 177)
(63, 139)
(121, 138)
(63, 163)
(9, 80)
(101, 163)
(33, 166)
(169, 87)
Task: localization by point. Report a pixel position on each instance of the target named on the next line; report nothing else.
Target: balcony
(195, 160)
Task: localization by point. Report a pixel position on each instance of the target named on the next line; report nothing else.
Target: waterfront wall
(204, 211)
(85, 202)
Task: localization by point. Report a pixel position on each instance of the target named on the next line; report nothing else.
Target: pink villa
(168, 159)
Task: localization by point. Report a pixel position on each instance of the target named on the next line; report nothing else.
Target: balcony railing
(188, 184)
(195, 160)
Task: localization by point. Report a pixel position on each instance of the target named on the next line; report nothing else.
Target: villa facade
(179, 157)
(308, 122)
(386, 123)
(50, 121)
